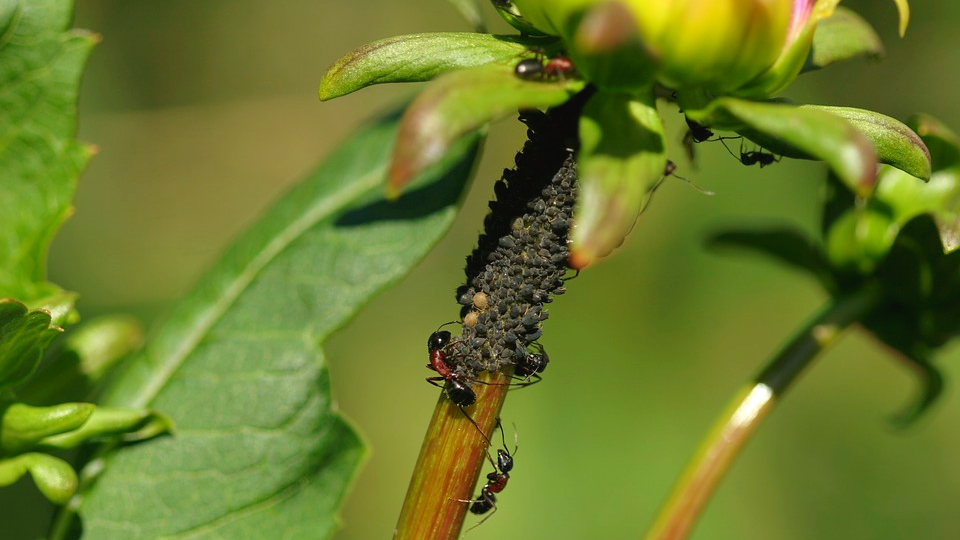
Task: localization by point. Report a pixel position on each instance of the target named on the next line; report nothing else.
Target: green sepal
(622, 158)
(131, 424)
(931, 387)
(845, 35)
(422, 57)
(797, 132)
(894, 142)
(944, 146)
(23, 426)
(24, 335)
(459, 103)
(54, 477)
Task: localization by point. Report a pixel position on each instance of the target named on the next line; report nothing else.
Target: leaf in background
(843, 36)
(789, 246)
(259, 449)
(470, 10)
(944, 147)
(40, 68)
(24, 335)
(422, 57)
(797, 132)
(622, 158)
(459, 103)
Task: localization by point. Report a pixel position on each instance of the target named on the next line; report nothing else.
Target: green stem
(451, 457)
(747, 409)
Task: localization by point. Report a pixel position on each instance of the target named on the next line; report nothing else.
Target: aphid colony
(518, 266)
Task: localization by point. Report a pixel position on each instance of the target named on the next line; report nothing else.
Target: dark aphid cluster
(521, 257)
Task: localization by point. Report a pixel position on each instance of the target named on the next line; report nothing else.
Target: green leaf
(787, 245)
(259, 446)
(622, 158)
(24, 335)
(800, 132)
(422, 57)
(512, 15)
(40, 68)
(459, 103)
(843, 36)
(23, 426)
(894, 142)
(54, 477)
(133, 424)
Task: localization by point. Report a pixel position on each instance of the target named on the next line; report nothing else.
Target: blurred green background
(206, 111)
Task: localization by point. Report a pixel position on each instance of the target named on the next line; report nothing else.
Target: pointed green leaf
(512, 15)
(800, 132)
(40, 67)
(894, 142)
(422, 57)
(461, 102)
(24, 335)
(23, 426)
(843, 36)
(133, 424)
(622, 157)
(239, 365)
(787, 245)
(54, 477)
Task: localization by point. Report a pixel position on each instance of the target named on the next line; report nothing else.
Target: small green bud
(22, 426)
(54, 477)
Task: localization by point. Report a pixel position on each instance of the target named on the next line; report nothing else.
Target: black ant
(533, 69)
(531, 365)
(496, 481)
(753, 157)
(696, 133)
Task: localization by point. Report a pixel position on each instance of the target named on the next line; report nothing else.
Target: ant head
(438, 340)
(504, 461)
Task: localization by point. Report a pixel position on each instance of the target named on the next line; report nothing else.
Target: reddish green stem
(745, 412)
(451, 457)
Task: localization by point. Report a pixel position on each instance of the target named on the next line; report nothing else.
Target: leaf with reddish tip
(894, 142)
(799, 132)
(422, 57)
(622, 158)
(461, 102)
(843, 36)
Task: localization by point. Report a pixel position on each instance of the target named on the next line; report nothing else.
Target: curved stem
(747, 409)
(451, 457)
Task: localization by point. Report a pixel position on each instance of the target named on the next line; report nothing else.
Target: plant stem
(747, 409)
(451, 457)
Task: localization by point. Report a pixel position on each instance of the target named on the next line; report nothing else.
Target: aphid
(481, 300)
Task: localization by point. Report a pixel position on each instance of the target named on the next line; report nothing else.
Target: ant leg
(574, 276)
(482, 434)
(433, 380)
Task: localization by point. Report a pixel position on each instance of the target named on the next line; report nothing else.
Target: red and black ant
(753, 157)
(533, 69)
(496, 481)
(458, 391)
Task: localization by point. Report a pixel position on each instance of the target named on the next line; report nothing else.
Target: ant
(532, 365)
(457, 391)
(496, 481)
(752, 157)
(533, 69)
(696, 133)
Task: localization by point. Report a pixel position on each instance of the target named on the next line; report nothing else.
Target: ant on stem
(496, 480)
